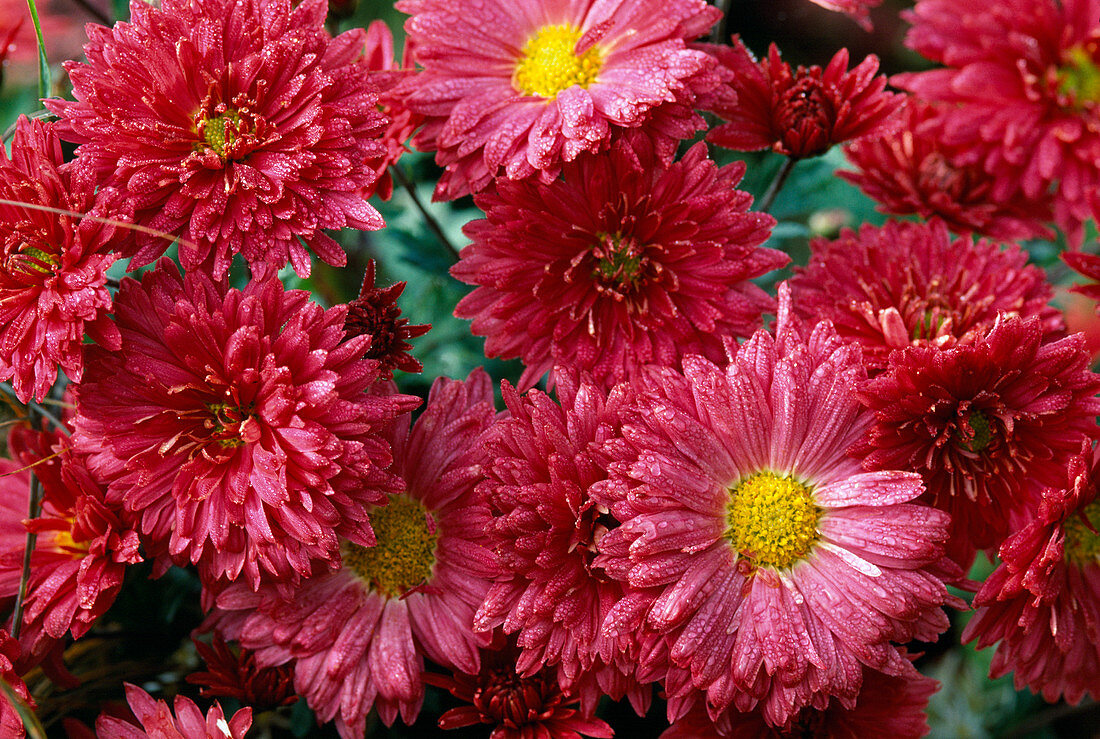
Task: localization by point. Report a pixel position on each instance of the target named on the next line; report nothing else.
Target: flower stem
(24, 577)
(433, 224)
(720, 33)
(777, 184)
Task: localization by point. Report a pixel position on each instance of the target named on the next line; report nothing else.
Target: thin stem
(777, 184)
(20, 597)
(720, 32)
(433, 224)
(8, 390)
(95, 12)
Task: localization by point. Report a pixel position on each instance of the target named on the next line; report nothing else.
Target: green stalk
(43, 64)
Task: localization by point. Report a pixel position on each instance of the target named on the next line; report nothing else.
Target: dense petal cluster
(519, 88)
(802, 112)
(911, 284)
(53, 266)
(620, 263)
(234, 425)
(240, 125)
(235, 674)
(183, 721)
(1020, 93)
(780, 568)
(375, 314)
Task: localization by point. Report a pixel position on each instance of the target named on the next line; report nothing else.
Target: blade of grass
(43, 64)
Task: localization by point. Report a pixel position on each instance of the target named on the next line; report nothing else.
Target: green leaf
(26, 715)
(43, 64)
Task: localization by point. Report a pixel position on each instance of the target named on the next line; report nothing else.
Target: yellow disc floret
(1083, 544)
(220, 131)
(772, 520)
(549, 63)
(405, 553)
(1079, 78)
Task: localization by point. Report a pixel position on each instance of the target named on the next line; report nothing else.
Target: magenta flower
(239, 125)
(53, 284)
(520, 88)
(620, 263)
(234, 425)
(157, 721)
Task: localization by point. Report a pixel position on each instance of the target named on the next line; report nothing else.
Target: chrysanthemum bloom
(986, 424)
(520, 88)
(81, 549)
(10, 723)
(1043, 602)
(907, 171)
(157, 721)
(240, 125)
(1021, 89)
(516, 706)
(375, 314)
(620, 263)
(545, 529)
(359, 635)
(1087, 265)
(232, 674)
(803, 112)
(234, 425)
(886, 706)
(781, 569)
(52, 284)
(911, 284)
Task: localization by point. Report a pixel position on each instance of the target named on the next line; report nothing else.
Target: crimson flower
(232, 674)
(157, 721)
(375, 314)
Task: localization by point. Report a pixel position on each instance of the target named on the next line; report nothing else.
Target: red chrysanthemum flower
(53, 267)
(81, 549)
(911, 284)
(545, 529)
(240, 125)
(10, 723)
(803, 112)
(620, 263)
(359, 635)
(986, 424)
(1087, 265)
(375, 314)
(232, 674)
(520, 88)
(157, 721)
(234, 425)
(517, 706)
(780, 568)
(1021, 95)
(1043, 602)
(908, 172)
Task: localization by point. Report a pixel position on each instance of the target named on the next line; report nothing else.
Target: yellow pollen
(405, 553)
(1082, 544)
(220, 131)
(1080, 77)
(772, 520)
(64, 540)
(549, 64)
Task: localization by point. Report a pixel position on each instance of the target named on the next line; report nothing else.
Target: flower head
(375, 314)
(521, 88)
(240, 125)
(156, 720)
(236, 675)
(620, 263)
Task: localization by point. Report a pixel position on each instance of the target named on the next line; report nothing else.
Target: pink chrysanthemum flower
(985, 424)
(234, 425)
(544, 530)
(780, 568)
(909, 172)
(240, 125)
(911, 284)
(157, 721)
(82, 545)
(620, 263)
(1043, 602)
(803, 112)
(520, 88)
(359, 635)
(1021, 88)
(53, 281)
(386, 73)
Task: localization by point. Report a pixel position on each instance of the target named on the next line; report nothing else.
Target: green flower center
(619, 261)
(220, 132)
(549, 64)
(31, 259)
(1083, 544)
(405, 553)
(771, 520)
(1079, 78)
(983, 434)
(225, 423)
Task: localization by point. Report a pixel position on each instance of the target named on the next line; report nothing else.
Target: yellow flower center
(549, 63)
(220, 131)
(771, 520)
(1079, 78)
(405, 553)
(1082, 544)
(63, 540)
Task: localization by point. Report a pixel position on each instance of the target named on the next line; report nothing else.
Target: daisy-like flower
(908, 172)
(359, 635)
(1021, 88)
(54, 266)
(521, 87)
(157, 721)
(911, 284)
(780, 568)
(240, 125)
(1043, 602)
(234, 425)
(984, 424)
(620, 263)
(799, 112)
(375, 314)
